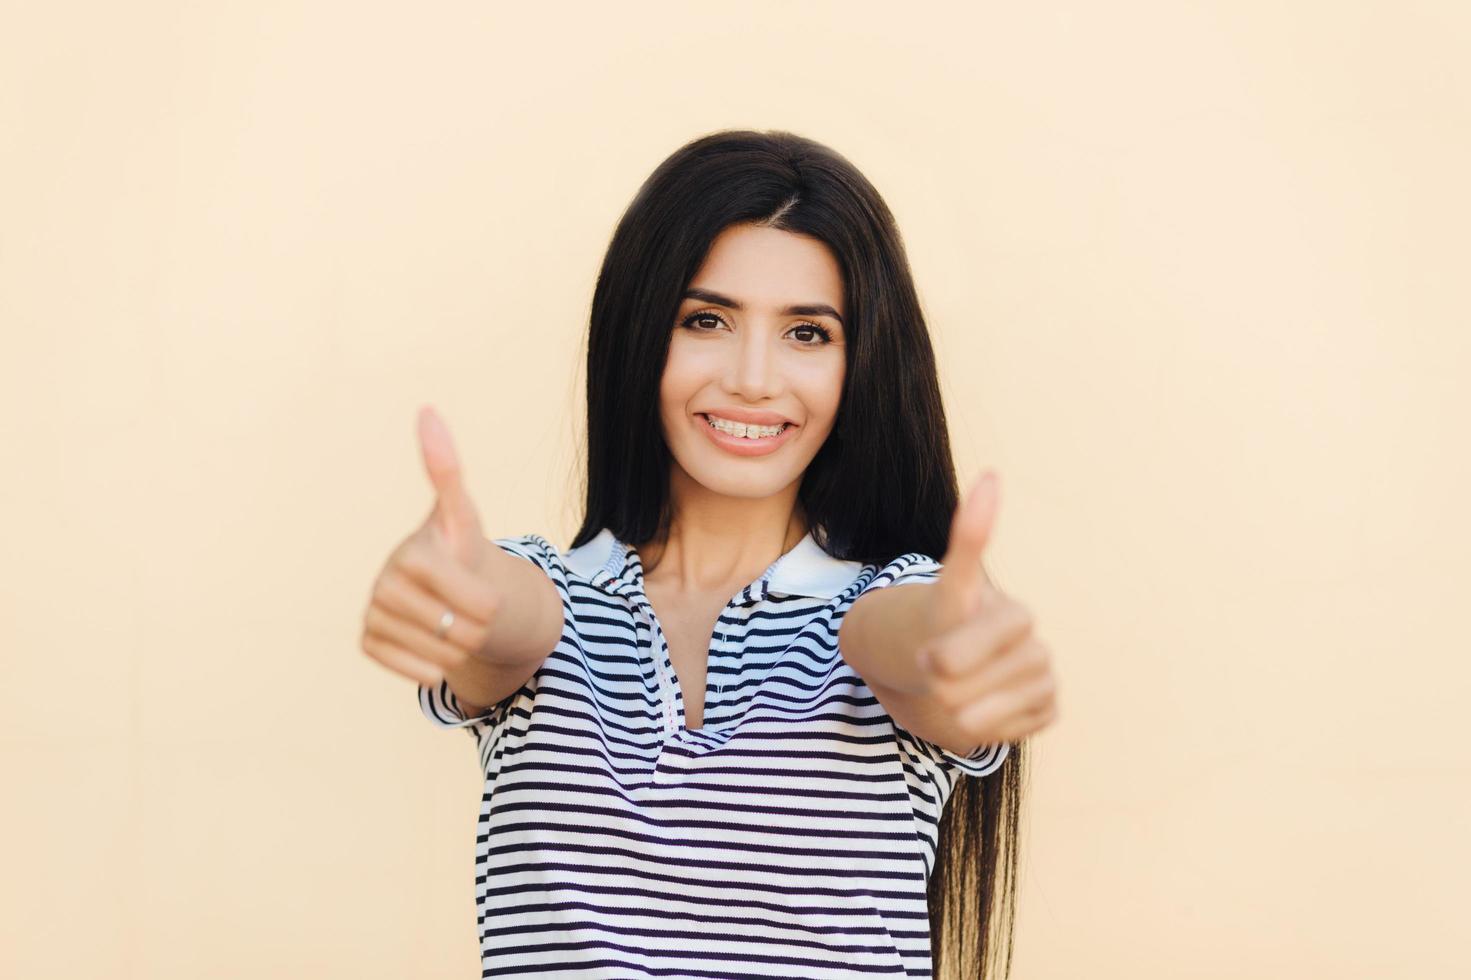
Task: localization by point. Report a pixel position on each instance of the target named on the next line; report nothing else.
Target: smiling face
(758, 339)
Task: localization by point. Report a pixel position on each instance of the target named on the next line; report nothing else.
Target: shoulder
(537, 550)
(910, 567)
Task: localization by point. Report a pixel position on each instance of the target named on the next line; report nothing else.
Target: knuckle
(413, 560)
(492, 599)
(939, 663)
(389, 586)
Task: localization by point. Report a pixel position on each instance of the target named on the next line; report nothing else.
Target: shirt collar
(805, 570)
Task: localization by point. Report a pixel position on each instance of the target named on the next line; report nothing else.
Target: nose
(756, 373)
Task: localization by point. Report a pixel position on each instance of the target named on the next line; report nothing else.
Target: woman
(703, 754)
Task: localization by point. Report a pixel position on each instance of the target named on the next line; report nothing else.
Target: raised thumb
(453, 510)
(970, 531)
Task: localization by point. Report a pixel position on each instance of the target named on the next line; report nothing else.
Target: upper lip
(749, 416)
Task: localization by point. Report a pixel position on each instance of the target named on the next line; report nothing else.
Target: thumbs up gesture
(454, 523)
(438, 602)
(983, 663)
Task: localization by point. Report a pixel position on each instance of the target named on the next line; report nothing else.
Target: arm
(879, 638)
(880, 634)
(525, 629)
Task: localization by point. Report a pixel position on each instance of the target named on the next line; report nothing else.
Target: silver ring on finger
(445, 622)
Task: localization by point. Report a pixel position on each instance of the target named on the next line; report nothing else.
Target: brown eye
(693, 318)
(822, 332)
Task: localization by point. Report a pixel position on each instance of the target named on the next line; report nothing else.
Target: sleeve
(915, 567)
(439, 704)
(442, 708)
(985, 760)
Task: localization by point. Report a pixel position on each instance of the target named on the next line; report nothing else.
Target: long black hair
(883, 484)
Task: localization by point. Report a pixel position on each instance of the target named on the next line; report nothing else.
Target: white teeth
(744, 431)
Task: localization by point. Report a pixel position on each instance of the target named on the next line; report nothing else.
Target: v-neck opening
(674, 709)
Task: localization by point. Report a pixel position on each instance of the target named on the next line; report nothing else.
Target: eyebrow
(797, 309)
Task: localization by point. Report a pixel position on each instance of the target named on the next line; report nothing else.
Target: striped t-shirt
(791, 836)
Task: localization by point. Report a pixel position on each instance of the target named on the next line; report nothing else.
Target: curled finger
(977, 641)
(409, 600)
(443, 653)
(401, 661)
(1005, 713)
(435, 571)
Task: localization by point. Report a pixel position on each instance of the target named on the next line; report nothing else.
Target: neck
(717, 543)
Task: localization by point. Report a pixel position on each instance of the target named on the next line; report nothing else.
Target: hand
(983, 663)
(446, 563)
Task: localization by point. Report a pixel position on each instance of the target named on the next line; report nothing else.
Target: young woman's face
(758, 339)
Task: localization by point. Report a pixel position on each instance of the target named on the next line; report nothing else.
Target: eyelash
(821, 331)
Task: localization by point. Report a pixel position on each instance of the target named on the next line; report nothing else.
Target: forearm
(524, 629)
(529, 617)
(881, 634)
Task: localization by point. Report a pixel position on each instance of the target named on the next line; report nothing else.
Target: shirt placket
(658, 651)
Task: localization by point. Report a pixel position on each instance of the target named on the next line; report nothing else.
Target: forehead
(770, 268)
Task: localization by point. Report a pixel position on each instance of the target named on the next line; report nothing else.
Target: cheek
(677, 382)
(689, 369)
(822, 391)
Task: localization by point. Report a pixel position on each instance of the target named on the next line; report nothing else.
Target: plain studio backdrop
(1197, 276)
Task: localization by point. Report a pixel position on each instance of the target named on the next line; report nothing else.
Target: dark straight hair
(882, 485)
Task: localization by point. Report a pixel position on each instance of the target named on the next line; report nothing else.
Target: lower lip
(740, 446)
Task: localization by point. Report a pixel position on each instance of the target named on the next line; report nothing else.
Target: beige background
(1198, 276)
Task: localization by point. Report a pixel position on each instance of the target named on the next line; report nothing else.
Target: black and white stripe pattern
(791, 836)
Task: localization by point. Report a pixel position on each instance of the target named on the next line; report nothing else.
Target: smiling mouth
(739, 431)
